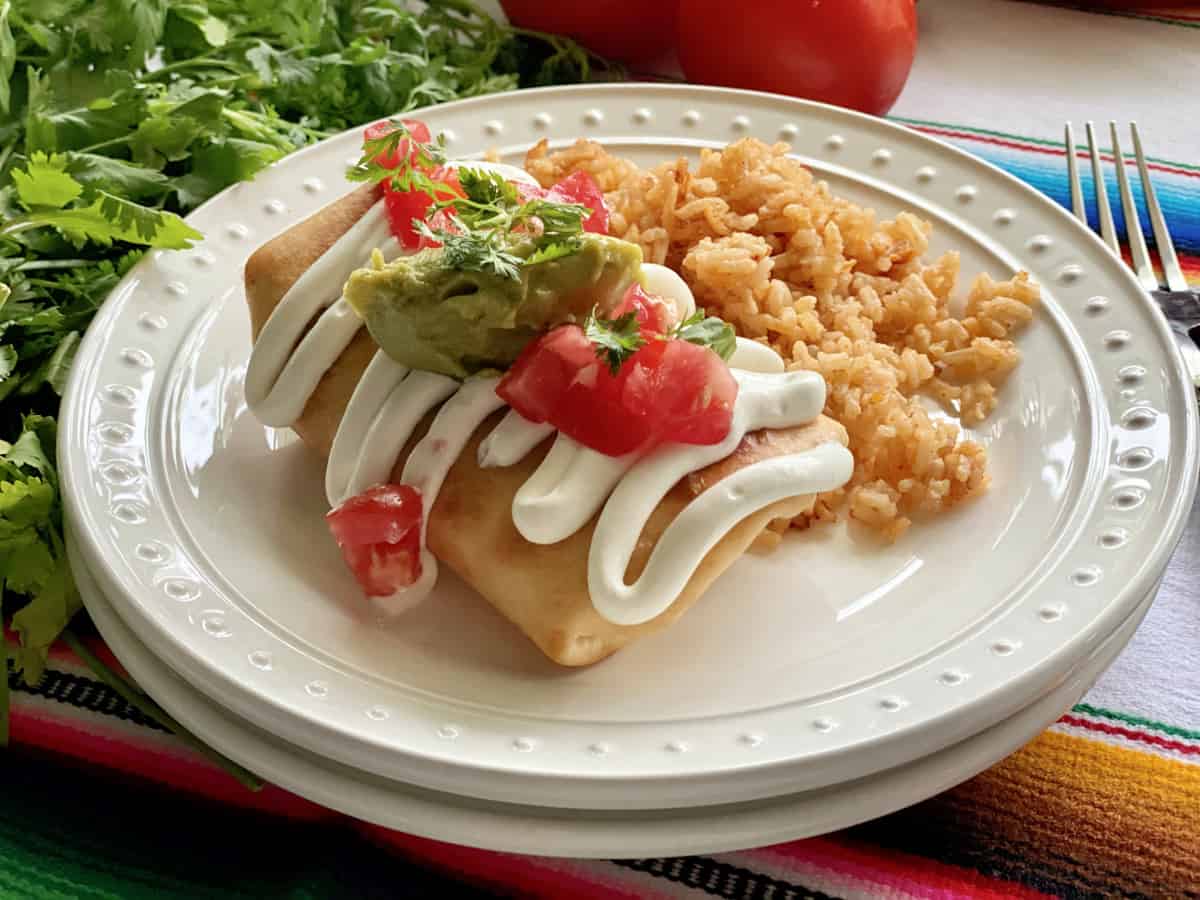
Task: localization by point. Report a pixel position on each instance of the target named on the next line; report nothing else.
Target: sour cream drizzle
(573, 482)
(764, 401)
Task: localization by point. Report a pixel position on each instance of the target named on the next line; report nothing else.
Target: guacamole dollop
(427, 315)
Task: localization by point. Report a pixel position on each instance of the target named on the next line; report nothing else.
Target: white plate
(829, 660)
(588, 833)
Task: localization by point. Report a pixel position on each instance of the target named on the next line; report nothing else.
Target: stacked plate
(830, 682)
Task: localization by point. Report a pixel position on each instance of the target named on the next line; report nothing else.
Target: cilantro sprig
(707, 331)
(485, 227)
(118, 118)
(616, 340)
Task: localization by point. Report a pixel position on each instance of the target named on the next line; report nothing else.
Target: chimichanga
(547, 588)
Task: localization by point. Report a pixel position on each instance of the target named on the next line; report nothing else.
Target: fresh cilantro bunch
(119, 116)
(486, 227)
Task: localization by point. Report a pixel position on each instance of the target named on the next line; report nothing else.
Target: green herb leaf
(8, 56)
(551, 252)
(473, 251)
(415, 157)
(215, 32)
(128, 30)
(707, 331)
(44, 182)
(117, 176)
(171, 127)
(32, 557)
(220, 164)
(487, 187)
(58, 366)
(109, 218)
(615, 340)
(28, 452)
(55, 602)
(52, 125)
(556, 220)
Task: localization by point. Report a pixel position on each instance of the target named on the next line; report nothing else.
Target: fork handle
(1187, 340)
(1181, 307)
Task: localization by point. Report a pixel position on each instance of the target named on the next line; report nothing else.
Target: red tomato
(379, 533)
(404, 206)
(628, 30)
(668, 391)
(578, 187)
(852, 53)
(419, 130)
(652, 313)
(687, 390)
(559, 379)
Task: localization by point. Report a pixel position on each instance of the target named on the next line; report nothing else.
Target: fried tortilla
(541, 589)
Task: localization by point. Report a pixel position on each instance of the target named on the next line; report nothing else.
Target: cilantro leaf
(487, 187)
(51, 125)
(44, 181)
(282, 69)
(109, 218)
(555, 220)
(32, 557)
(8, 56)
(28, 452)
(53, 371)
(615, 340)
(127, 30)
(220, 164)
(55, 602)
(213, 31)
(172, 126)
(416, 157)
(473, 251)
(707, 331)
(552, 251)
(116, 176)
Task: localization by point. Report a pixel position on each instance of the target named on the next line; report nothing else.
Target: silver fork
(1179, 303)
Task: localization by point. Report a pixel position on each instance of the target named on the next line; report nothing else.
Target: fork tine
(1108, 231)
(1162, 237)
(1077, 205)
(1133, 225)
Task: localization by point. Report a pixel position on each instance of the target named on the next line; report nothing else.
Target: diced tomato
(579, 187)
(379, 533)
(559, 379)
(652, 313)
(404, 206)
(686, 389)
(419, 130)
(441, 221)
(668, 391)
